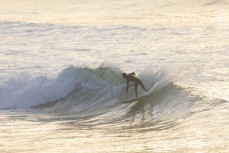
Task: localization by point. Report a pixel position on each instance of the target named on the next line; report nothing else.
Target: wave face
(96, 93)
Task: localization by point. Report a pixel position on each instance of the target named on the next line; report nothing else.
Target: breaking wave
(79, 92)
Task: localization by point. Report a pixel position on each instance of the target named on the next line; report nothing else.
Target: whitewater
(61, 84)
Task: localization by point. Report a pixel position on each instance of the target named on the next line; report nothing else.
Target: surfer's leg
(136, 89)
(143, 87)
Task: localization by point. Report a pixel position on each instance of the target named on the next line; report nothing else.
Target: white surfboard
(139, 98)
(134, 99)
(156, 87)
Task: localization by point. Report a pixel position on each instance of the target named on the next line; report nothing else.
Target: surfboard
(156, 87)
(134, 99)
(139, 98)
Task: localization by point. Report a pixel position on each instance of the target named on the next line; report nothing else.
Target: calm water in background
(61, 84)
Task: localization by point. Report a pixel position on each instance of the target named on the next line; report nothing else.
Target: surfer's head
(124, 75)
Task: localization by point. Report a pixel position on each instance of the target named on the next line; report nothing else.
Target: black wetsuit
(131, 77)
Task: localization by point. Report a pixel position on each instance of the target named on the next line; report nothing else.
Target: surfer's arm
(127, 86)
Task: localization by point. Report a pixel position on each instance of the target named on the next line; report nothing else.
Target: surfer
(130, 77)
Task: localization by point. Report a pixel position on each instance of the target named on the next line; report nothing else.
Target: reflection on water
(136, 133)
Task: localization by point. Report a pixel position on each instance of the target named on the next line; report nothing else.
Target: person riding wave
(130, 77)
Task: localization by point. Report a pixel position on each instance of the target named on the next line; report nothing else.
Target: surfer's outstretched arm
(143, 87)
(127, 86)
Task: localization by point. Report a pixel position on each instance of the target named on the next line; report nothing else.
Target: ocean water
(61, 86)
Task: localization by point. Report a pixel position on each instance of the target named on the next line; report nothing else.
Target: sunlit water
(61, 84)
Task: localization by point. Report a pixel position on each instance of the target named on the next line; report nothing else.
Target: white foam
(23, 91)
